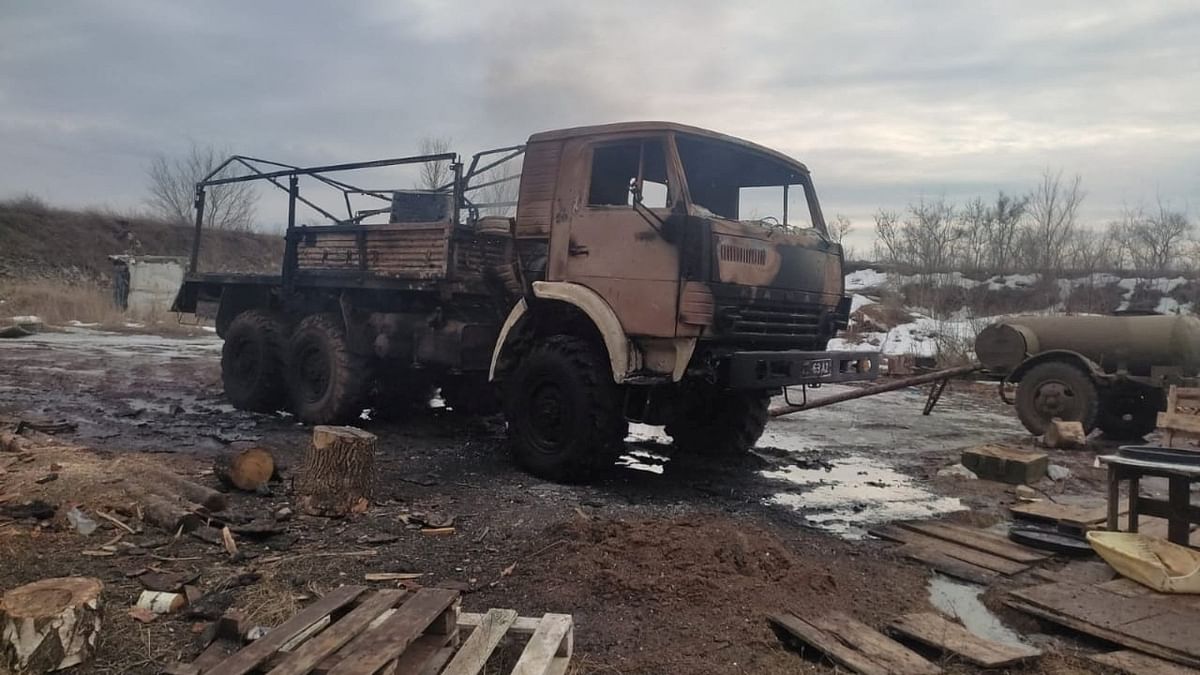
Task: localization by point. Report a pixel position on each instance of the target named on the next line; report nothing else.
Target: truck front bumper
(768, 369)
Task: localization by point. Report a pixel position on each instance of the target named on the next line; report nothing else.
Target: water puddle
(848, 495)
(960, 600)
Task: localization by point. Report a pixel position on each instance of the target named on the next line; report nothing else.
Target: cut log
(49, 624)
(170, 516)
(338, 473)
(246, 469)
(170, 484)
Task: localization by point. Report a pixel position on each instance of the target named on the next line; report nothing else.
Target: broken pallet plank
(966, 554)
(262, 649)
(417, 658)
(474, 652)
(978, 539)
(392, 637)
(550, 647)
(936, 631)
(1136, 663)
(1081, 516)
(1143, 623)
(311, 653)
(855, 645)
(951, 567)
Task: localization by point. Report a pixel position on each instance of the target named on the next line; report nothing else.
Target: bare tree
(1052, 213)
(889, 238)
(172, 187)
(840, 228)
(434, 174)
(1155, 239)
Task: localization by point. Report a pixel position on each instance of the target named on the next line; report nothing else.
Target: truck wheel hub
(1055, 399)
(547, 415)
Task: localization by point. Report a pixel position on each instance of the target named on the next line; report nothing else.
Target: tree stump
(49, 624)
(338, 474)
(246, 469)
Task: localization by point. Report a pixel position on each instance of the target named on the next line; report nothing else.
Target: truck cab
(651, 272)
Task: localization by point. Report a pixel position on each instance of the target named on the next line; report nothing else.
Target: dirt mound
(704, 585)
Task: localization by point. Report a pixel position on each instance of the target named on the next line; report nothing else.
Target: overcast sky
(886, 102)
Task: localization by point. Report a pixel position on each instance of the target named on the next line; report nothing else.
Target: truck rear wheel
(563, 410)
(327, 382)
(721, 422)
(1056, 389)
(1129, 413)
(252, 361)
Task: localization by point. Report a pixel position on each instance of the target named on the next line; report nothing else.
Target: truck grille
(768, 322)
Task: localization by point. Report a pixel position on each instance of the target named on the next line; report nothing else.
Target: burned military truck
(1106, 372)
(648, 272)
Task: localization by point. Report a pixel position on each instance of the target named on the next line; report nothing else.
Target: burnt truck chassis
(392, 338)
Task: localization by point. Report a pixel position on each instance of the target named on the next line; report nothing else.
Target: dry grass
(57, 303)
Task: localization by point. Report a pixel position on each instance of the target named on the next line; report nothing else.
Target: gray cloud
(886, 102)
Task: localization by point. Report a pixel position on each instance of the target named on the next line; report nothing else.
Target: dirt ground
(669, 564)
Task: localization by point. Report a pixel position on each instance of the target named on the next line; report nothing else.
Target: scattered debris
(283, 514)
(957, 471)
(438, 531)
(160, 602)
(247, 469)
(227, 539)
(1006, 465)
(50, 624)
(166, 582)
(853, 644)
(1065, 435)
(393, 576)
(169, 515)
(1057, 472)
(48, 478)
(31, 510)
(79, 520)
(1026, 493)
(338, 474)
(936, 631)
(169, 484)
(142, 614)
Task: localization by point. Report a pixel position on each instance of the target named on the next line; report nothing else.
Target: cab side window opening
(617, 166)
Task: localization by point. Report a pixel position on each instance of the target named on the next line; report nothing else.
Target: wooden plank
(311, 653)
(875, 645)
(549, 648)
(956, 551)
(392, 637)
(977, 539)
(951, 567)
(830, 646)
(524, 625)
(1189, 424)
(1076, 515)
(1140, 622)
(934, 630)
(1129, 588)
(475, 652)
(1136, 663)
(262, 649)
(420, 654)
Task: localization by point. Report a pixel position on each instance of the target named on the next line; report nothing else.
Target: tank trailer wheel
(327, 382)
(720, 422)
(1056, 389)
(1129, 413)
(563, 410)
(252, 361)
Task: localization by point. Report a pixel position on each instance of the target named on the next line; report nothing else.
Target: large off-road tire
(471, 396)
(252, 361)
(719, 422)
(1056, 389)
(1128, 413)
(326, 381)
(563, 410)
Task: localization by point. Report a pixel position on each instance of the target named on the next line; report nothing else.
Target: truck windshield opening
(734, 183)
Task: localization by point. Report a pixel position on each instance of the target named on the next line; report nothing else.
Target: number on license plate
(819, 368)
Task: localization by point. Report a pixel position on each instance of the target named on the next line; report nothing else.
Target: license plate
(818, 368)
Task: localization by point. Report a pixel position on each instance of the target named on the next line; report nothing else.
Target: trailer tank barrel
(1131, 343)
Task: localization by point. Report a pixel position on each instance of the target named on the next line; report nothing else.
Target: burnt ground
(669, 564)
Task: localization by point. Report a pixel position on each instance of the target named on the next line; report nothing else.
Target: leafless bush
(173, 191)
(1053, 208)
(1155, 240)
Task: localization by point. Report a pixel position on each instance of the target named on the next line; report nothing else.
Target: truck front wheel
(719, 422)
(252, 361)
(1056, 389)
(327, 381)
(563, 410)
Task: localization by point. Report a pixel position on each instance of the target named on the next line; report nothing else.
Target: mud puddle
(961, 601)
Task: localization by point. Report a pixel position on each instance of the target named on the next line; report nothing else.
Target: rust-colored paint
(539, 177)
(696, 304)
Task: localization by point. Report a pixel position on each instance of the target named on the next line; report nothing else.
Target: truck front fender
(514, 315)
(616, 342)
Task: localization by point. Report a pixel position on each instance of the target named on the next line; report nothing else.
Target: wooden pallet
(354, 631)
(1181, 421)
